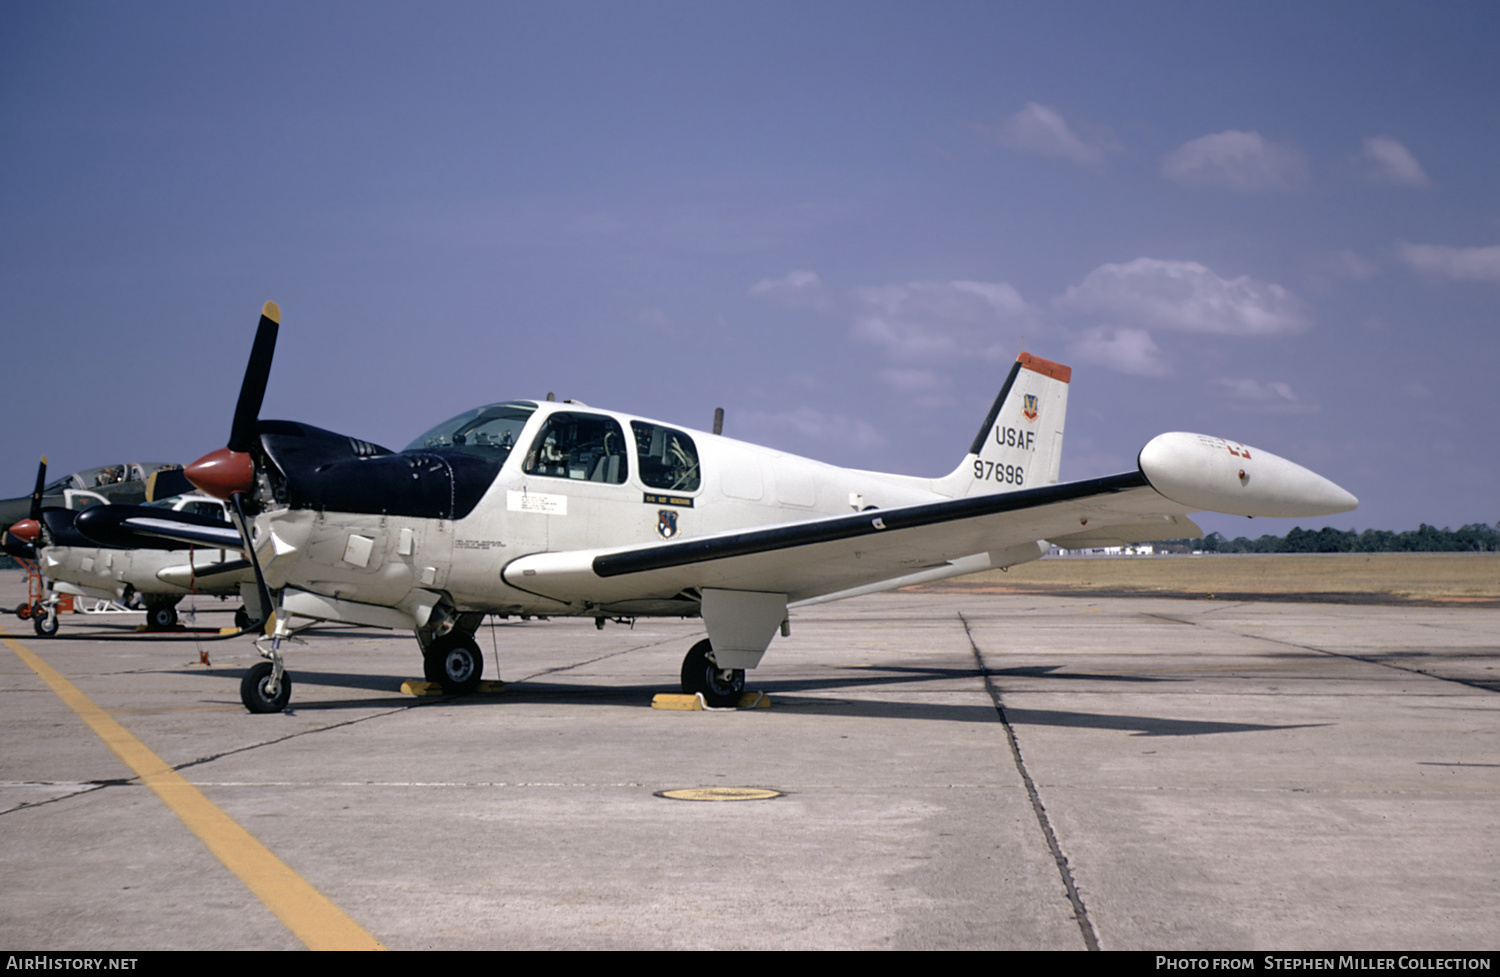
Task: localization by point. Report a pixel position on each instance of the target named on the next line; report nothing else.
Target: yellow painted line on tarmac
(308, 913)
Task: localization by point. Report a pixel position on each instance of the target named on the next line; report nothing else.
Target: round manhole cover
(719, 794)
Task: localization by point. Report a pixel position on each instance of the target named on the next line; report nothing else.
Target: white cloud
(798, 289)
(1252, 396)
(934, 322)
(1385, 160)
(1040, 130)
(809, 424)
(1186, 297)
(1124, 350)
(1439, 261)
(655, 319)
(925, 388)
(911, 381)
(1240, 161)
(1347, 264)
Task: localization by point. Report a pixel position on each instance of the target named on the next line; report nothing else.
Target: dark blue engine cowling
(312, 468)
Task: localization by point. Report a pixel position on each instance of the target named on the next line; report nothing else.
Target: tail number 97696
(989, 471)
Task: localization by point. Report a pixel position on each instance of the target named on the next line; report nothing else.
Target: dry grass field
(1443, 578)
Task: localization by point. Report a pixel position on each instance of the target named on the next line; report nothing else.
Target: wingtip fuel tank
(1208, 473)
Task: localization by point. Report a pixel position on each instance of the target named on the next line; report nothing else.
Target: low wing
(824, 556)
(1177, 474)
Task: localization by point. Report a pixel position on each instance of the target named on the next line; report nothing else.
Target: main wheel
(254, 689)
(455, 662)
(701, 673)
(45, 624)
(161, 617)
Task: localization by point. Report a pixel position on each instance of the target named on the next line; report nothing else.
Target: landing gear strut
(701, 673)
(454, 661)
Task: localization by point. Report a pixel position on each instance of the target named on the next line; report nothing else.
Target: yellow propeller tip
(272, 311)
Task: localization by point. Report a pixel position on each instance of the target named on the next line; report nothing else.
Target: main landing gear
(720, 687)
(161, 615)
(453, 661)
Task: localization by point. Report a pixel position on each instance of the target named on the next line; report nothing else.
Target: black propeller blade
(36, 494)
(257, 375)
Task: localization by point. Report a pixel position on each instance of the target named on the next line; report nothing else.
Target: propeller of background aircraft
(19, 540)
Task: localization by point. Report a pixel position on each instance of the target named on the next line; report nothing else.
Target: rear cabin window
(669, 459)
(585, 447)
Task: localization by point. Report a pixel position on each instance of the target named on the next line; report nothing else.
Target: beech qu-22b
(545, 508)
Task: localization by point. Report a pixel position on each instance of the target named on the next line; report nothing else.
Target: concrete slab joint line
(1080, 911)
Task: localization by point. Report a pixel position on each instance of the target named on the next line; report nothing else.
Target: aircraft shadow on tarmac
(786, 698)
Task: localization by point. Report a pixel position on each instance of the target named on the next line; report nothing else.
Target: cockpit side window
(669, 459)
(585, 447)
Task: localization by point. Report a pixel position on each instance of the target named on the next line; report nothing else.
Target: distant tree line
(1473, 538)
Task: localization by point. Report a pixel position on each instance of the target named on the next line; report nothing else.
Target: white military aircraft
(542, 508)
(118, 569)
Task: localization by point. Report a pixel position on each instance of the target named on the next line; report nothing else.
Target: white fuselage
(406, 562)
(113, 574)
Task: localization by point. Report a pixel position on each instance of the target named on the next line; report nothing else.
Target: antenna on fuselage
(551, 396)
(718, 420)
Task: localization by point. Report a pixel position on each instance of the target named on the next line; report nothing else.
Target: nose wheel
(264, 690)
(44, 620)
(720, 687)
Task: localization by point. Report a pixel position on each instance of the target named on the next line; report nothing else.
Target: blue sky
(1277, 223)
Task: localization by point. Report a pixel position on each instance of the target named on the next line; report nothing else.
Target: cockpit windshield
(489, 431)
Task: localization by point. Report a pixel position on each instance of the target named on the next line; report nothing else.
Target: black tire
(45, 624)
(253, 689)
(23, 611)
(455, 662)
(700, 673)
(242, 618)
(161, 617)
(432, 667)
(38, 610)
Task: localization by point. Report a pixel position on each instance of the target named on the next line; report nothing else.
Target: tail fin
(1020, 444)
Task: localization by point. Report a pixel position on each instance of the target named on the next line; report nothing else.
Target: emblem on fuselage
(1028, 409)
(666, 523)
